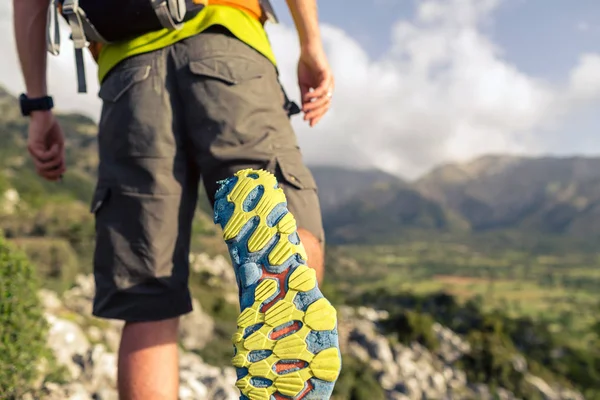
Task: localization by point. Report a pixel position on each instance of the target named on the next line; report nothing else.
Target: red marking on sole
(307, 390)
(282, 367)
(286, 331)
(280, 277)
(309, 387)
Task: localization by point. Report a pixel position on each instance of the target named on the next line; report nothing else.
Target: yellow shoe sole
(286, 345)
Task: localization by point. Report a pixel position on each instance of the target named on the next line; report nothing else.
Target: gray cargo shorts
(204, 107)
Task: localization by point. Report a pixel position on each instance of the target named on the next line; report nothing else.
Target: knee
(150, 333)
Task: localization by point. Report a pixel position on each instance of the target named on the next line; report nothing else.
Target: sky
(421, 82)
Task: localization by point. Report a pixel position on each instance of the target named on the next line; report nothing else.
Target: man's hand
(316, 84)
(46, 144)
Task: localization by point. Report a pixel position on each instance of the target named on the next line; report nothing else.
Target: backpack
(108, 21)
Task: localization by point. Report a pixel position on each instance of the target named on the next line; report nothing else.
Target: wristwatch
(37, 104)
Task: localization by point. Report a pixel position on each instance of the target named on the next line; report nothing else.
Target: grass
(563, 289)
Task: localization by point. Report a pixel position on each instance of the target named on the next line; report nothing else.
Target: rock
(79, 298)
(49, 300)
(543, 387)
(9, 202)
(438, 382)
(112, 336)
(95, 334)
(67, 341)
(372, 315)
(196, 328)
(191, 388)
(106, 394)
(217, 267)
(70, 391)
(519, 363)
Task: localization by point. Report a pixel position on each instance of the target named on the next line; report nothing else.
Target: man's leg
(286, 343)
(148, 360)
(237, 118)
(144, 205)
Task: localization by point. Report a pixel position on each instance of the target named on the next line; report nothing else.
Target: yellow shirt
(242, 25)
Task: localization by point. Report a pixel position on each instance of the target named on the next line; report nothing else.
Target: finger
(321, 90)
(316, 115)
(39, 151)
(321, 109)
(54, 174)
(50, 164)
(316, 104)
(315, 121)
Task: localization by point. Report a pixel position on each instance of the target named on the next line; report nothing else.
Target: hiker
(199, 99)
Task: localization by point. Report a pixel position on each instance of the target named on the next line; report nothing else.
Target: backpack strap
(170, 15)
(53, 37)
(81, 31)
(269, 11)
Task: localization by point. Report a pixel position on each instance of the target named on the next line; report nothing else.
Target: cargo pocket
(230, 70)
(132, 125)
(295, 172)
(120, 81)
(301, 192)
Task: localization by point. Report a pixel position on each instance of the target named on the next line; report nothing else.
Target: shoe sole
(286, 345)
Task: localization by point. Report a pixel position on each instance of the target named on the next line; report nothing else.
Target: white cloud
(583, 26)
(585, 78)
(443, 91)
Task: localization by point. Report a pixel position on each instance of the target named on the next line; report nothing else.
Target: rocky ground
(87, 347)
(414, 372)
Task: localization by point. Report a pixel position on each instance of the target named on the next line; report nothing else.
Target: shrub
(22, 325)
(55, 260)
(413, 326)
(357, 381)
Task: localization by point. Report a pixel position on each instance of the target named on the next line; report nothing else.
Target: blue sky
(542, 37)
(421, 82)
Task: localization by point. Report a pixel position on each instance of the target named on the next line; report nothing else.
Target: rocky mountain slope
(551, 195)
(541, 196)
(86, 348)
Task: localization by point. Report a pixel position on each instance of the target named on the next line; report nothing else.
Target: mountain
(546, 195)
(16, 165)
(338, 185)
(386, 210)
(495, 193)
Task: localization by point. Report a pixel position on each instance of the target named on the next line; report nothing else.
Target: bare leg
(314, 250)
(148, 361)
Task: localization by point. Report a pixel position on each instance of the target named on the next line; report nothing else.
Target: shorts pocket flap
(119, 82)
(295, 172)
(229, 70)
(101, 194)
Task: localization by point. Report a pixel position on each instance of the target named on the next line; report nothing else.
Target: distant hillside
(386, 210)
(338, 185)
(17, 167)
(546, 195)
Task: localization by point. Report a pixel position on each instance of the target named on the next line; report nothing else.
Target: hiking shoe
(286, 344)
